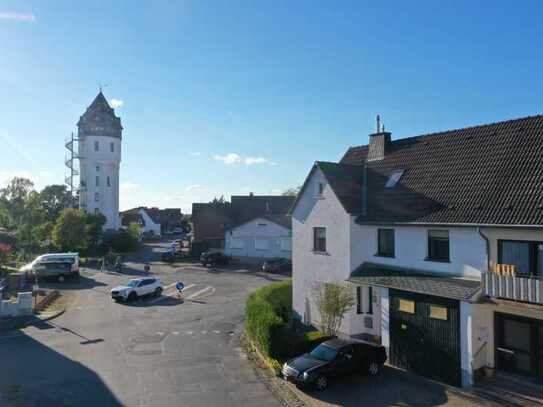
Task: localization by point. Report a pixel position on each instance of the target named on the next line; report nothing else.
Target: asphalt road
(150, 353)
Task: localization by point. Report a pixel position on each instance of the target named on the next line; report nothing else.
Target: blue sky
(227, 97)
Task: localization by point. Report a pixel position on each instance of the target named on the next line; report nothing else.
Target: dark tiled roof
(415, 281)
(100, 115)
(490, 174)
(244, 208)
(344, 179)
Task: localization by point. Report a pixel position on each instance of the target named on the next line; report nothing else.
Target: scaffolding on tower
(69, 161)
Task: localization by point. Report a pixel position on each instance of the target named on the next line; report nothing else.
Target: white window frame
(96, 145)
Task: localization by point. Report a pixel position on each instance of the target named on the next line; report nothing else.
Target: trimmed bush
(120, 241)
(267, 317)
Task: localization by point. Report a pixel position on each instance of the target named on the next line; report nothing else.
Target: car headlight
(306, 375)
(285, 365)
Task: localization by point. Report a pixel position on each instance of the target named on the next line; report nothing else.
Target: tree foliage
(53, 199)
(294, 191)
(69, 232)
(332, 301)
(94, 224)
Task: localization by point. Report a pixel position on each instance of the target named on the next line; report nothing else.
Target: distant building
(249, 227)
(99, 136)
(154, 220)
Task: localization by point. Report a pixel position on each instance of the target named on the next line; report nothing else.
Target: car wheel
(373, 368)
(60, 279)
(158, 292)
(321, 382)
(132, 296)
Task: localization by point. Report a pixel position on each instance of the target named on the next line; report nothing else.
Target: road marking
(160, 333)
(204, 332)
(216, 332)
(175, 333)
(197, 293)
(189, 332)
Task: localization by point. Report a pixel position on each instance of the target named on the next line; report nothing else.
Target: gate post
(466, 344)
(385, 320)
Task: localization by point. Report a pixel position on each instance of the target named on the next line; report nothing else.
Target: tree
(94, 224)
(292, 191)
(53, 199)
(43, 233)
(69, 233)
(135, 230)
(15, 197)
(332, 301)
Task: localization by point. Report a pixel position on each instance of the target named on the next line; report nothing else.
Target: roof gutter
(486, 225)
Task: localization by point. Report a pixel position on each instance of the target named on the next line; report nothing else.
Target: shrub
(267, 316)
(121, 241)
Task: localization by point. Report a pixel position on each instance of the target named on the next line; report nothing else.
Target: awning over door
(416, 281)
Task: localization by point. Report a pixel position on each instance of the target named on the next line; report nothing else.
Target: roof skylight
(394, 178)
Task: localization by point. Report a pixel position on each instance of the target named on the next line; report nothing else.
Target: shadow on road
(75, 283)
(164, 301)
(35, 375)
(391, 387)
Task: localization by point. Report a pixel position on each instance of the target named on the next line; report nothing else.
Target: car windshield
(132, 283)
(324, 352)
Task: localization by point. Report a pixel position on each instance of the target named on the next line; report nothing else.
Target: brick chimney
(379, 142)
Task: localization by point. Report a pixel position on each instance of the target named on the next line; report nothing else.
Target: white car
(138, 287)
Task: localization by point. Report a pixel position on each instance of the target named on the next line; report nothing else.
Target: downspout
(487, 242)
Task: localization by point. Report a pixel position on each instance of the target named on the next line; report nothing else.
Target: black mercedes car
(213, 258)
(277, 265)
(333, 359)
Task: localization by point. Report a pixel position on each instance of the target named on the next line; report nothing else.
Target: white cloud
(193, 187)
(126, 186)
(196, 153)
(234, 158)
(15, 16)
(115, 103)
(230, 158)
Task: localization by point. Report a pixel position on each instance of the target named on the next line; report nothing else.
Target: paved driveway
(392, 387)
(149, 353)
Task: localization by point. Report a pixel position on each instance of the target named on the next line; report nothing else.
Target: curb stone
(277, 386)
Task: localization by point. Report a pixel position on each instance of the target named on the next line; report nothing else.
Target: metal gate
(427, 345)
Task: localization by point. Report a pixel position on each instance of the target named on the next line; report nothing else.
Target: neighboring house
(266, 236)
(250, 226)
(413, 225)
(153, 220)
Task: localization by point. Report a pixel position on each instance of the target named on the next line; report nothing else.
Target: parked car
(277, 265)
(138, 287)
(178, 231)
(57, 265)
(213, 258)
(171, 255)
(333, 359)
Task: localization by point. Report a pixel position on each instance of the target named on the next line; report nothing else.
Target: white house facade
(100, 135)
(259, 238)
(423, 249)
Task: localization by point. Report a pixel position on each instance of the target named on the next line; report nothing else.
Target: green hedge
(268, 323)
(267, 314)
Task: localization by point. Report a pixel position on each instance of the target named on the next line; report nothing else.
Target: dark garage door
(425, 335)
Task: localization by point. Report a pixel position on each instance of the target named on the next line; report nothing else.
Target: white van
(50, 259)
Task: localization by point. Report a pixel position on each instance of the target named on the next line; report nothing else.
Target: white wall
(310, 267)
(264, 230)
(150, 225)
(109, 164)
(467, 249)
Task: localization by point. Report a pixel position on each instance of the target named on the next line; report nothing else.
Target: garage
(425, 335)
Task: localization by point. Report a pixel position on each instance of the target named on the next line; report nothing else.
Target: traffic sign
(180, 286)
